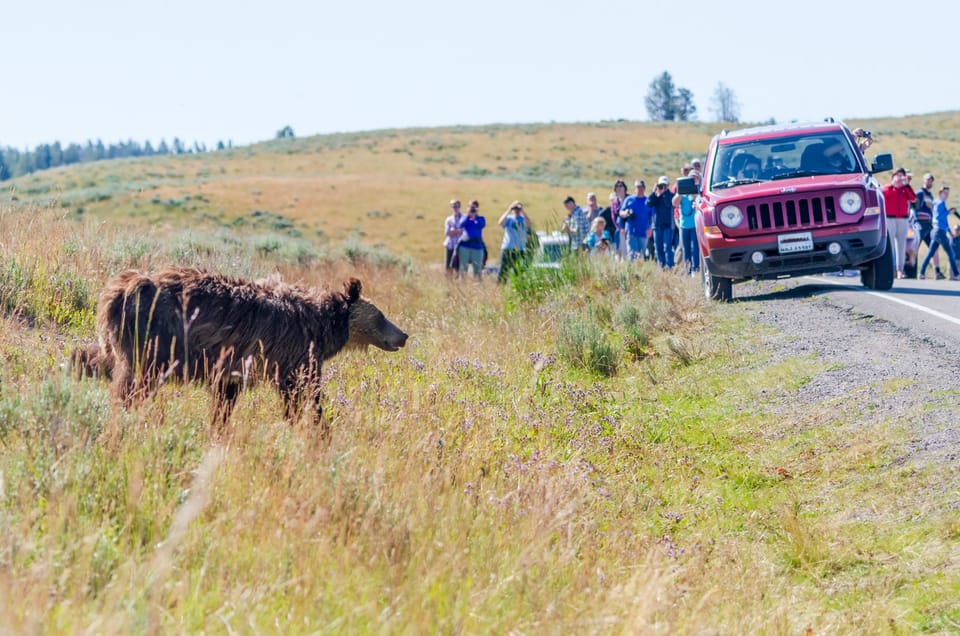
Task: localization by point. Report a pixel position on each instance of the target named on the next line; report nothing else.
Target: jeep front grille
(792, 214)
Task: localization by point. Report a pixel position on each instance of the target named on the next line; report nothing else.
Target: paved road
(928, 308)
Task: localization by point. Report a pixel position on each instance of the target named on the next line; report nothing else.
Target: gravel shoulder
(897, 374)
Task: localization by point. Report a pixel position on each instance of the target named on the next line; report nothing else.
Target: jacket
(662, 206)
(897, 201)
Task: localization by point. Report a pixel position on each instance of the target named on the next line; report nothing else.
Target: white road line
(927, 310)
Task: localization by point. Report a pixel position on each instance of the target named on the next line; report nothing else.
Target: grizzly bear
(191, 325)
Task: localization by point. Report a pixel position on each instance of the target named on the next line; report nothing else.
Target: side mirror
(687, 185)
(882, 163)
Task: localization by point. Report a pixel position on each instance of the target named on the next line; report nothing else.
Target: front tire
(879, 273)
(716, 287)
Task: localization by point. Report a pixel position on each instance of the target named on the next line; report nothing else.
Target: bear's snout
(396, 339)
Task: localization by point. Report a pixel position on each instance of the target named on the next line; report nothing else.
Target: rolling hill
(390, 188)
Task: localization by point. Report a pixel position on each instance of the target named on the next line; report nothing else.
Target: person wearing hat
(923, 215)
(661, 204)
(637, 220)
(897, 197)
(576, 225)
(941, 236)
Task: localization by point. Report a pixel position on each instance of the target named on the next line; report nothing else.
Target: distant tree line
(16, 163)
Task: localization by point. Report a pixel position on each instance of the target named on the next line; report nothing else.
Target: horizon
(189, 143)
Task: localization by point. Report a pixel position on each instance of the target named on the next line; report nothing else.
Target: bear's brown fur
(193, 325)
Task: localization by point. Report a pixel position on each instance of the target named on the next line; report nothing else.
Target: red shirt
(897, 200)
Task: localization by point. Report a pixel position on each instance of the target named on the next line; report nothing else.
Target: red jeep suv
(789, 200)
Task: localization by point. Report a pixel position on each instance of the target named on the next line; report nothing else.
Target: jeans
(926, 236)
(942, 239)
(637, 246)
(468, 256)
(691, 250)
(663, 237)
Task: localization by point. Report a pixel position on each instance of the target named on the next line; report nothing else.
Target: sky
(219, 70)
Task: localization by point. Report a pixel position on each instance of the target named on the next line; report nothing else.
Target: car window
(783, 157)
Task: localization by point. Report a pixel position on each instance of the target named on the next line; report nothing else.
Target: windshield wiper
(735, 182)
(797, 173)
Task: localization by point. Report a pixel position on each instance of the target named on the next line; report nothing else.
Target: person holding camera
(575, 225)
(598, 240)
(897, 197)
(661, 203)
(470, 249)
(514, 223)
(636, 218)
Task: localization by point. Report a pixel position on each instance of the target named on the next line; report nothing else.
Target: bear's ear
(353, 289)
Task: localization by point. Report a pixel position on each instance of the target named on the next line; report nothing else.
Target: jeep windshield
(783, 157)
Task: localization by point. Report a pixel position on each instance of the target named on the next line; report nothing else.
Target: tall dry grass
(479, 481)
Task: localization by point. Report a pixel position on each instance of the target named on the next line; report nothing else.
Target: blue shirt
(593, 241)
(472, 231)
(514, 233)
(940, 216)
(688, 216)
(639, 220)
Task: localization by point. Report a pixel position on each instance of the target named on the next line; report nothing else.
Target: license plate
(796, 242)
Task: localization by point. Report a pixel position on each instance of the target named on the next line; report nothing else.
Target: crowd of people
(656, 226)
(464, 245)
(661, 226)
(925, 216)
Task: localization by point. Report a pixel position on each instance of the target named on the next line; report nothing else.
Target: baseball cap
(927, 176)
(640, 182)
(663, 180)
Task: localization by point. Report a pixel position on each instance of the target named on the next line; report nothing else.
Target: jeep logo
(788, 190)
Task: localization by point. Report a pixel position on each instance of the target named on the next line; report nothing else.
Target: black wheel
(716, 287)
(879, 273)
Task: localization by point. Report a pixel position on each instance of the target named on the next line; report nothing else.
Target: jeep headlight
(731, 216)
(850, 202)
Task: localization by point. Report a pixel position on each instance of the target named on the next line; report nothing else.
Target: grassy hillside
(392, 187)
(599, 451)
